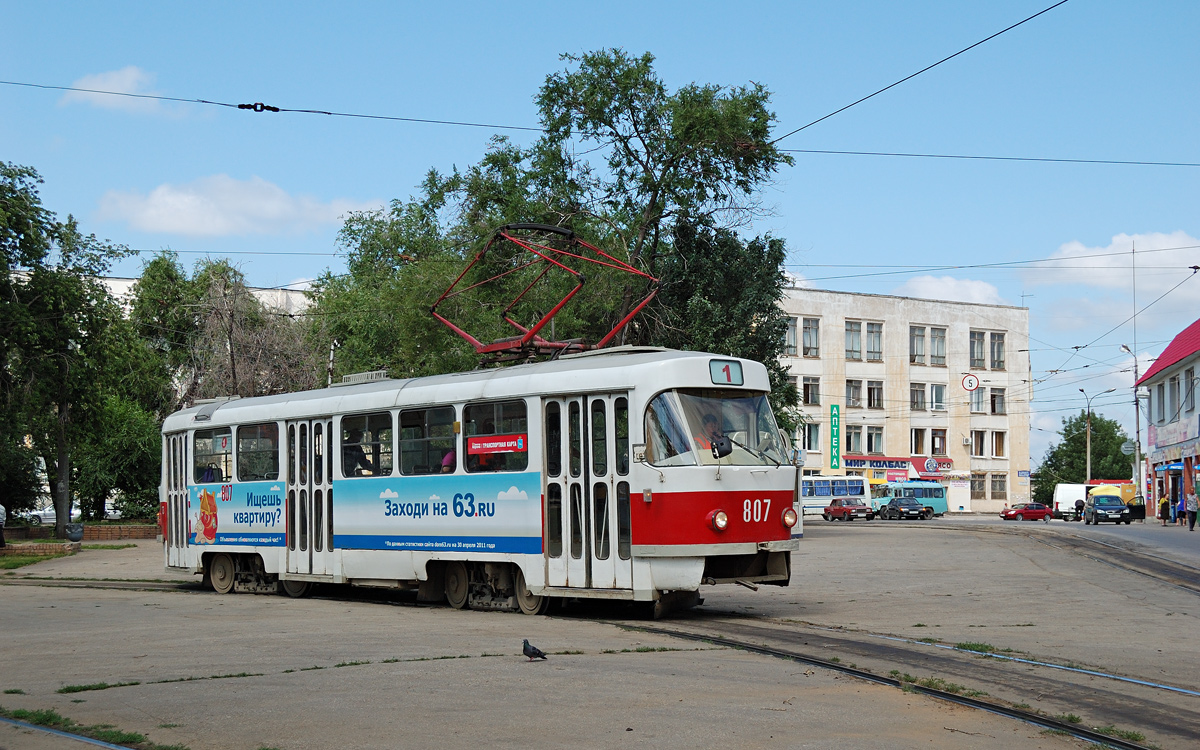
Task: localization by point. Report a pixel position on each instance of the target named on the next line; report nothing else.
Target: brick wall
(40, 549)
(90, 533)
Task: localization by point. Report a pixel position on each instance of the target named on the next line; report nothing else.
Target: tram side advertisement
(242, 513)
(498, 512)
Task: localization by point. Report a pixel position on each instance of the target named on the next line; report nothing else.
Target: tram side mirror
(721, 447)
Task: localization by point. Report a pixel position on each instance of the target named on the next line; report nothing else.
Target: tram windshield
(681, 425)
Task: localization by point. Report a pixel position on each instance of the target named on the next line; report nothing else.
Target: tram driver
(354, 460)
(710, 429)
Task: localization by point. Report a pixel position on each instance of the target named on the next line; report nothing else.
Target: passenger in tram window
(354, 460)
(710, 429)
(449, 462)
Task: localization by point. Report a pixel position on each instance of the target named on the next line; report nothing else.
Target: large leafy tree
(659, 178)
(1066, 460)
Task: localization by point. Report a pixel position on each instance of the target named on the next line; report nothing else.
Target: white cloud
(388, 495)
(1112, 267)
(512, 493)
(221, 205)
(128, 80)
(950, 288)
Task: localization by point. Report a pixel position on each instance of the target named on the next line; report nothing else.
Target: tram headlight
(718, 520)
(789, 517)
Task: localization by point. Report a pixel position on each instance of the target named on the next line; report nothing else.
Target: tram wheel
(296, 589)
(529, 603)
(221, 573)
(456, 584)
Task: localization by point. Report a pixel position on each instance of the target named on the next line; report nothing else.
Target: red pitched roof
(1181, 347)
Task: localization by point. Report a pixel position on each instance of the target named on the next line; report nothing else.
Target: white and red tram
(627, 473)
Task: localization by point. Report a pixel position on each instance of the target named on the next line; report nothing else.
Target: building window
(979, 486)
(997, 401)
(812, 337)
(874, 394)
(978, 441)
(998, 447)
(937, 346)
(874, 440)
(812, 437)
(977, 404)
(853, 339)
(916, 345)
(874, 342)
(916, 396)
(812, 391)
(1189, 390)
(937, 397)
(853, 438)
(1160, 399)
(938, 442)
(918, 442)
(978, 351)
(1173, 399)
(853, 393)
(997, 351)
(999, 486)
(789, 338)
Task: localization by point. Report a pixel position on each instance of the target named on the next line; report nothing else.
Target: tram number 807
(756, 510)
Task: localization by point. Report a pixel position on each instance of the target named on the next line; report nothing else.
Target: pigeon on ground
(533, 652)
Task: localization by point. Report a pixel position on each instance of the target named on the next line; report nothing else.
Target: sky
(1082, 245)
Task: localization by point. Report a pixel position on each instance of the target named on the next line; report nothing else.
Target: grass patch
(836, 660)
(567, 653)
(974, 693)
(927, 640)
(1056, 733)
(169, 726)
(14, 691)
(95, 686)
(103, 732)
(108, 546)
(1069, 718)
(920, 625)
(937, 683)
(1022, 706)
(211, 677)
(894, 673)
(11, 562)
(350, 664)
(906, 677)
(981, 648)
(1124, 734)
(393, 660)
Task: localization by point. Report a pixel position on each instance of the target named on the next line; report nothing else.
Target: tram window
(553, 442)
(367, 445)
(427, 441)
(317, 526)
(600, 519)
(623, 526)
(497, 436)
(291, 454)
(329, 520)
(573, 427)
(599, 440)
(577, 519)
(303, 454)
(291, 514)
(303, 519)
(554, 535)
(318, 453)
(621, 420)
(258, 452)
(213, 451)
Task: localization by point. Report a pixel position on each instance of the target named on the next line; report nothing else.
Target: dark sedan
(901, 508)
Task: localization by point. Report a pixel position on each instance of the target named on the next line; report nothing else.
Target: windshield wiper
(756, 452)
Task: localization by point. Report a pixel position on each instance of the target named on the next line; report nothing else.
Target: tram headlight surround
(718, 520)
(789, 517)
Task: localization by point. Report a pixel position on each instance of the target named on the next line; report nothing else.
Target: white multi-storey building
(896, 388)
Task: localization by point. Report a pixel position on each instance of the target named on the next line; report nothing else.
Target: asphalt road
(247, 671)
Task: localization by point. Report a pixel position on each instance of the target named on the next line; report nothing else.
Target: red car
(1026, 512)
(847, 509)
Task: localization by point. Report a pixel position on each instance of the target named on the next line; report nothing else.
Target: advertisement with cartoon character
(500, 512)
(244, 513)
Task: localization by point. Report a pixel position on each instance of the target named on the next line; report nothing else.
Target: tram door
(587, 492)
(176, 465)
(309, 502)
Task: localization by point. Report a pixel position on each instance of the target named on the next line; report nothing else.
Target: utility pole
(1137, 432)
(1088, 401)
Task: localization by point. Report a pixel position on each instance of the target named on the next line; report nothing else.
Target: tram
(625, 473)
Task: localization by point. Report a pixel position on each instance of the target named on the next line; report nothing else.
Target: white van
(1065, 496)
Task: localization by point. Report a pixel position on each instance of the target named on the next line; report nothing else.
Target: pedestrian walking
(1164, 511)
(1191, 507)
(1181, 510)
(3, 518)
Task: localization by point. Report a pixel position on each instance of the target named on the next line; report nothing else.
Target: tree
(1066, 461)
(57, 326)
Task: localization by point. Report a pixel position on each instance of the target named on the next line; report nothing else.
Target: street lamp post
(1137, 430)
(1088, 400)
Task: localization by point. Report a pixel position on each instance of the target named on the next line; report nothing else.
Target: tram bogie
(635, 474)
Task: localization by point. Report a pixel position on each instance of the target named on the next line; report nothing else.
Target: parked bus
(817, 492)
(632, 473)
(931, 495)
